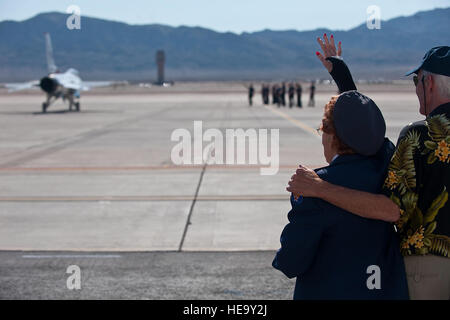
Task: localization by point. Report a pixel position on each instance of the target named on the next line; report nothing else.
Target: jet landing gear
(73, 102)
(47, 103)
(53, 98)
(76, 104)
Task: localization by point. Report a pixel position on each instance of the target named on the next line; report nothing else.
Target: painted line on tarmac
(105, 168)
(70, 256)
(144, 198)
(147, 168)
(296, 122)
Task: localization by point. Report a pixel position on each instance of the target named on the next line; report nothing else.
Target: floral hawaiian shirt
(418, 181)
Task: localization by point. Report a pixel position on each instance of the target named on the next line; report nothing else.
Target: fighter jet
(56, 84)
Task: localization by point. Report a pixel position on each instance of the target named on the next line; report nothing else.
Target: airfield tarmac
(77, 188)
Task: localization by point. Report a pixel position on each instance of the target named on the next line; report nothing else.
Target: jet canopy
(73, 71)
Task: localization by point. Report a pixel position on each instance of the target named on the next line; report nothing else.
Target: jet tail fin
(49, 53)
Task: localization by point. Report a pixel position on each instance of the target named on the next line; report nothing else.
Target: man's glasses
(416, 80)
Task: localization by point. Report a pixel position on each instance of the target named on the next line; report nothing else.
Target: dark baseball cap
(436, 60)
(359, 122)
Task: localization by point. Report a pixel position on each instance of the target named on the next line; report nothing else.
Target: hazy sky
(227, 15)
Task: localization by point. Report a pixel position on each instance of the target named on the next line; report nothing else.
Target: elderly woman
(333, 253)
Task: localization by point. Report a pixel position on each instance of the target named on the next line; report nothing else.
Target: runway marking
(143, 198)
(102, 168)
(70, 256)
(145, 168)
(296, 122)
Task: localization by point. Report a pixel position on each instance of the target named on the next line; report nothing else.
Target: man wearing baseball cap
(416, 189)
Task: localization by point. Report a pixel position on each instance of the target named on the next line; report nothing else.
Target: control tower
(160, 61)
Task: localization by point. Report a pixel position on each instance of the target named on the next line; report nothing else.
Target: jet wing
(87, 85)
(22, 86)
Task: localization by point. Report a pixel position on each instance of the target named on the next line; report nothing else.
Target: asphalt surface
(102, 182)
(146, 275)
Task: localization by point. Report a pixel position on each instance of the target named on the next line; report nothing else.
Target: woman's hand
(329, 50)
(305, 182)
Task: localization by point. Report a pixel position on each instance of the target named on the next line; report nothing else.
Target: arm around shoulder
(364, 204)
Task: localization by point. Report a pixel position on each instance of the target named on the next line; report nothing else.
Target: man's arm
(307, 183)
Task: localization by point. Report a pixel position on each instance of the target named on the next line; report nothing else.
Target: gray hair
(442, 83)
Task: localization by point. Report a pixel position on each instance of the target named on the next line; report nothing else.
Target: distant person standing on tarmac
(262, 92)
(280, 96)
(312, 91)
(251, 92)
(274, 94)
(283, 93)
(291, 93)
(298, 88)
(265, 93)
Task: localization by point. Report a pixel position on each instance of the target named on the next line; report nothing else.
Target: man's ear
(429, 83)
